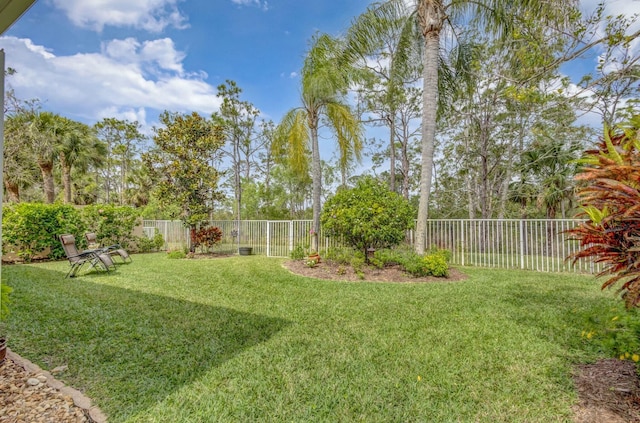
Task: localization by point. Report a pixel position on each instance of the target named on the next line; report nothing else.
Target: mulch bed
(334, 271)
(609, 391)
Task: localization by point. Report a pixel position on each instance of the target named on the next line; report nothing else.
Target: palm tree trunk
(13, 191)
(66, 178)
(392, 152)
(46, 169)
(317, 185)
(430, 105)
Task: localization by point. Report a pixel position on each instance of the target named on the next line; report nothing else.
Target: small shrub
(357, 262)
(144, 244)
(436, 265)
(158, 241)
(297, 253)
(207, 237)
(176, 254)
(341, 270)
(432, 264)
(388, 257)
(340, 255)
(311, 263)
(376, 262)
(442, 252)
(413, 265)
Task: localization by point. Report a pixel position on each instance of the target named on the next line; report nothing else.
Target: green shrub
(144, 244)
(111, 224)
(297, 253)
(367, 216)
(176, 254)
(432, 264)
(357, 262)
(388, 256)
(29, 229)
(158, 241)
(436, 265)
(340, 255)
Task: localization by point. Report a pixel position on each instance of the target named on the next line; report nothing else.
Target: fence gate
(279, 238)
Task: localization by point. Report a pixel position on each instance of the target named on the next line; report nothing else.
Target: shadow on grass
(126, 349)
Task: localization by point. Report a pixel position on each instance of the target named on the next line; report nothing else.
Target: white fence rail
(540, 245)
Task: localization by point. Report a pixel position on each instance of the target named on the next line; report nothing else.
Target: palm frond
(291, 139)
(348, 131)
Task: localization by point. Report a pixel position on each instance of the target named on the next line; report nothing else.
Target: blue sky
(89, 59)
(132, 59)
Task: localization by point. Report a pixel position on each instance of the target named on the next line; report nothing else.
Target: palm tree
(323, 90)
(78, 146)
(42, 135)
(432, 17)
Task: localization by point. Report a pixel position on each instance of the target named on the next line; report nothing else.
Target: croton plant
(610, 198)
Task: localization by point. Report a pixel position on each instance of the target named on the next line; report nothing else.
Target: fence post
(268, 239)
(521, 244)
(462, 243)
(290, 236)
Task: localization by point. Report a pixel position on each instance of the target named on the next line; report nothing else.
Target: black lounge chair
(77, 259)
(112, 250)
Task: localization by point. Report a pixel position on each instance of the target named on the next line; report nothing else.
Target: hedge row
(29, 229)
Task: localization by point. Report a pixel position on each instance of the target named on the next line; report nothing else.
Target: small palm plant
(611, 201)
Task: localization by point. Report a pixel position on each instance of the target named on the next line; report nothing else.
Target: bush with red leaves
(611, 200)
(207, 237)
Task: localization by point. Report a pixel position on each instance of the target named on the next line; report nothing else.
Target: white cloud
(127, 79)
(262, 4)
(293, 74)
(160, 53)
(150, 15)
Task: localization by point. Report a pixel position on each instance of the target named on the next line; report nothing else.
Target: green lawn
(240, 339)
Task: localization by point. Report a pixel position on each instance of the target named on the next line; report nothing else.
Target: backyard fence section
(540, 245)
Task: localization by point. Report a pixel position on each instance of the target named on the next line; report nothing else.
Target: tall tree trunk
(317, 184)
(13, 191)
(405, 172)
(431, 16)
(46, 169)
(66, 179)
(392, 152)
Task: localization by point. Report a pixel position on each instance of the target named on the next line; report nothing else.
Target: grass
(241, 339)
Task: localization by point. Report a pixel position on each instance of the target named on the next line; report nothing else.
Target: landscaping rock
(32, 395)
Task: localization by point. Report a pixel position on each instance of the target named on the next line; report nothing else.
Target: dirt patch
(334, 271)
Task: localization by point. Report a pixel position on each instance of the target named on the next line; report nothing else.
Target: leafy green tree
(19, 169)
(368, 215)
(323, 95)
(122, 139)
(238, 120)
(181, 165)
(430, 17)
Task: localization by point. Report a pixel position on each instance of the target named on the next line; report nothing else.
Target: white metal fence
(540, 245)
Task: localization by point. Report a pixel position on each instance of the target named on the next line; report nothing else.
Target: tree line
(469, 104)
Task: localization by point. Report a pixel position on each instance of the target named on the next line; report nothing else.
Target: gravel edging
(79, 399)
